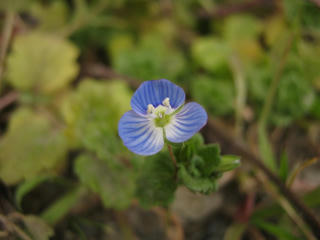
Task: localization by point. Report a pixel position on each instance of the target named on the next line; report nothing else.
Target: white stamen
(166, 102)
(150, 108)
(160, 110)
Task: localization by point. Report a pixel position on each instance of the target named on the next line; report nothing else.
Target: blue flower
(158, 112)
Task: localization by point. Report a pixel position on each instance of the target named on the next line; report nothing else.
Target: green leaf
(51, 16)
(284, 167)
(14, 5)
(211, 159)
(210, 53)
(235, 231)
(196, 184)
(228, 163)
(27, 186)
(201, 165)
(26, 152)
(41, 62)
(265, 149)
(278, 231)
(156, 183)
(295, 96)
(315, 110)
(241, 27)
(259, 79)
(215, 94)
(308, 53)
(311, 199)
(185, 151)
(151, 58)
(114, 184)
(241, 33)
(304, 14)
(274, 28)
(63, 205)
(92, 113)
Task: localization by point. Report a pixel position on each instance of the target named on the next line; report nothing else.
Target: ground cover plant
(171, 119)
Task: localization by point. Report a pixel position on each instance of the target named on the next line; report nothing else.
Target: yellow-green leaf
(41, 62)
(92, 114)
(33, 145)
(115, 184)
(14, 5)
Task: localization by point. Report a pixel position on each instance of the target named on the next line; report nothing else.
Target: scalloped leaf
(196, 184)
(41, 62)
(92, 113)
(31, 146)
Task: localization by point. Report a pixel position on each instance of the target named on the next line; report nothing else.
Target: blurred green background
(68, 69)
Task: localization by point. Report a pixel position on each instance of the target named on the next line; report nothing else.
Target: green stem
(63, 205)
(274, 85)
(6, 34)
(264, 144)
(173, 158)
(241, 93)
(299, 169)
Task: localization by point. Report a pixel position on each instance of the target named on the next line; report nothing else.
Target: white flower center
(161, 114)
(160, 110)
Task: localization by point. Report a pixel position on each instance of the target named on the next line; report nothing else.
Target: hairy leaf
(202, 185)
(185, 151)
(156, 182)
(211, 155)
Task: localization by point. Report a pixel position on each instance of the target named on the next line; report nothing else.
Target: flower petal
(154, 92)
(139, 134)
(186, 123)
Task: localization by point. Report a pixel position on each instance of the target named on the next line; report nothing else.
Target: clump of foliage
(72, 68)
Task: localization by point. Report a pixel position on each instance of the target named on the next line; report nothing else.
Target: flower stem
(174, 161)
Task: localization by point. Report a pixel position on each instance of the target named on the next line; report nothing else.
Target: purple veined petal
(139, 134)
(186, 123)
(154, 92)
